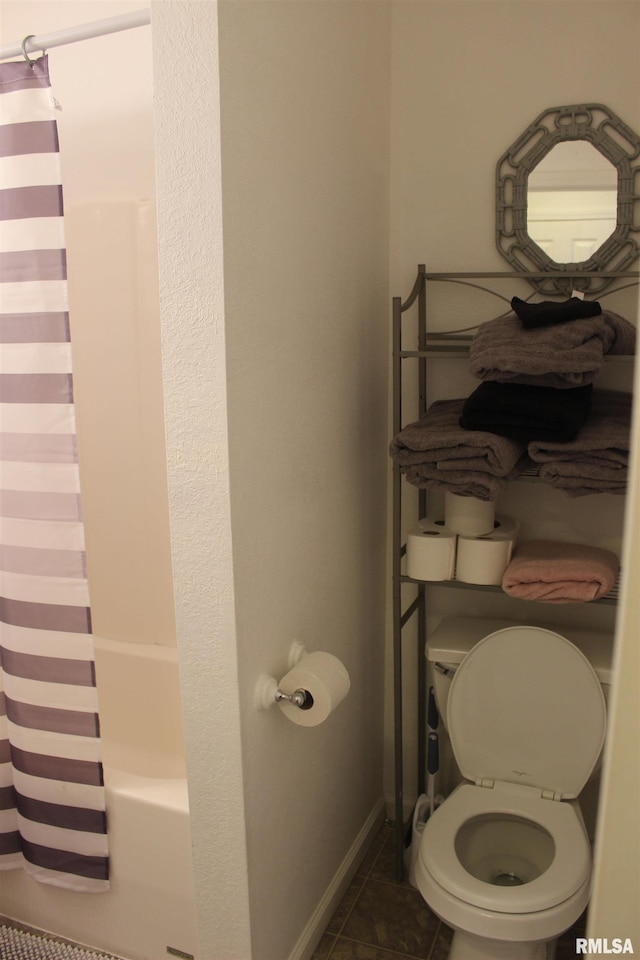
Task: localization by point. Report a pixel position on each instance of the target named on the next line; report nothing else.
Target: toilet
(506, 860)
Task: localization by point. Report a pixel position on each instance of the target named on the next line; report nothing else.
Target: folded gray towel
(562, 355)
(570, 478)
(596, 461)
(466, 483)
(437, 452)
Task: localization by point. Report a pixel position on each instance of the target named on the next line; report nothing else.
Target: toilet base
(465, 946)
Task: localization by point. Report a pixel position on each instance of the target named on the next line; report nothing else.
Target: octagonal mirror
(567, 200)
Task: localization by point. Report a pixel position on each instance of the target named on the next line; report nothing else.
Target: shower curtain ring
(29, 36)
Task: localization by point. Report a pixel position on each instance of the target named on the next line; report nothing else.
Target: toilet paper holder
(267, 691)
(299, 698)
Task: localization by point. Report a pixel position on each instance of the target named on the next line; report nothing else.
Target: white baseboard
(317, 924)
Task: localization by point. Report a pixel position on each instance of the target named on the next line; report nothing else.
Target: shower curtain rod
(84, 31)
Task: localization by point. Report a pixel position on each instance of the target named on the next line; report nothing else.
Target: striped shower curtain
(52, 811)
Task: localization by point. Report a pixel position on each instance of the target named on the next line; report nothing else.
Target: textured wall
(190, 252)
(296, 296)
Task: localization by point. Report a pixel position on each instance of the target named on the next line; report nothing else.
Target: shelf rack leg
(397, 599)
(422, 700)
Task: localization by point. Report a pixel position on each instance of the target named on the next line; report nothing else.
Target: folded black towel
(545, 313)
(525, 413)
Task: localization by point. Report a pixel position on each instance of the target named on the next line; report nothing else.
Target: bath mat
(17, 944)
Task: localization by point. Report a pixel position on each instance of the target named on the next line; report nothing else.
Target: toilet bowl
(505, 860)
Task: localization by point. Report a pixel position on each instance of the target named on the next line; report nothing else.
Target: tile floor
(382, 919)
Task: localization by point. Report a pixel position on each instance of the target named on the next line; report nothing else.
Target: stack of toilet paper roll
(472, 543)
(431, 551)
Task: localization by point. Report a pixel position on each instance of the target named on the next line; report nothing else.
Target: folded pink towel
(555, 572)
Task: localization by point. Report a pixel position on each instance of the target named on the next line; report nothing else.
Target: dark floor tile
(384, 867)
(442, 944)
(345, 906)
(393, 917)
(351, 950)
(372, 853)
(382, 919)
(324, 948)
(566, 949)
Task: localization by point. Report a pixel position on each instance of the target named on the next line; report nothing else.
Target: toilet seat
(527, 722)
(568, 871)
(526, 706)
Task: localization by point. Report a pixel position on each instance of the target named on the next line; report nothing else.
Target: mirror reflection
(572, 201)
(568, 199)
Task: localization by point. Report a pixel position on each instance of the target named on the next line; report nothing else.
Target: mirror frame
(596, 124)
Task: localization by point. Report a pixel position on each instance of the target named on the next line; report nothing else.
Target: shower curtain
(52, 810)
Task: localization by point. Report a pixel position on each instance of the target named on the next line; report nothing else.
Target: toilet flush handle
(445, 671)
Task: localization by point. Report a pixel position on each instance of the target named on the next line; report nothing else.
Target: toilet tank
(448, 645)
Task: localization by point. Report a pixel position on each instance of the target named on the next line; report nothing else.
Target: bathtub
(149, 913)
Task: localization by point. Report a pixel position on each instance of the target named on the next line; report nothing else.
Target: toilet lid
(525, 706)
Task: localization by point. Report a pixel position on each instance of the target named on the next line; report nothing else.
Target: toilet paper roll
(468, 515)
(324, 677)
(431, 551)
(484, 559)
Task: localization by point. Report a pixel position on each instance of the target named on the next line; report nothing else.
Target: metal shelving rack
(429, 347)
